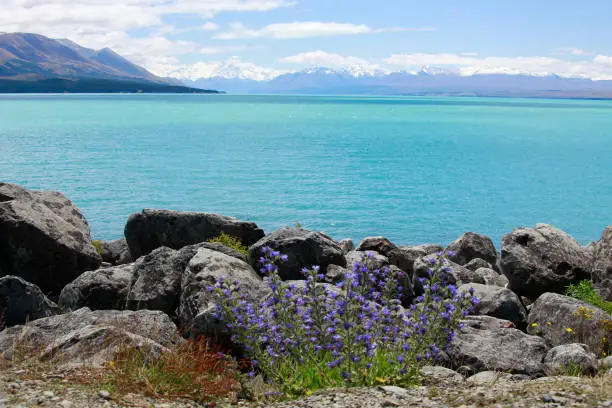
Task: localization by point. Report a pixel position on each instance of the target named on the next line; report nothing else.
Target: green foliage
(584, 291)
(98, 245)
(231, 242)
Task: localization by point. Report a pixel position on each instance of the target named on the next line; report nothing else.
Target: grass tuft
(231, 242)
(584, 291)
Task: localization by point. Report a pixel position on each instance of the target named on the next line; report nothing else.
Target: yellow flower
(534, 325)
(569, 330)
(548, 323)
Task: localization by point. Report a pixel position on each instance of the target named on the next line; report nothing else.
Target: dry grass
(195, 371)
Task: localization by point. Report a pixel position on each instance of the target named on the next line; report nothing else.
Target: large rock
(102, 289)
(570, 359)
(562, 320)
(197, 304)
(378, 244)
(346, 245)
(470, 246)
(156, 282)
(543, 259)
(89, 337)
(458, 274)
(488, 344)
(403, 257)
(115, 252)
(476, 264)
(22, 301)
(374, 260)
(304, 249)
(602, 265)
(151, 229)
(498, 302)
(44, 238)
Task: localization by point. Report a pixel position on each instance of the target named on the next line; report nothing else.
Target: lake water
(413, 169)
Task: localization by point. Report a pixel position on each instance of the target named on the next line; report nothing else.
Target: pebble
(48, 394)
(66, 404)
(547, 398)
(104, 394)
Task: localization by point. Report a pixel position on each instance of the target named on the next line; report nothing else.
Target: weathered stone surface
(488, 276)
(151, 229)
(95, 345)
(470, 246)
(44, 238)
(543, 259)
(196, 309)
(39, 334)
(375, 260)
(487, 377)
(602, 265)
(498, 302)
(588, 324)
(458, 274)
(22, 301)
(346, 245)
(404, 256)
(570, 359)
(434, 374)
(477, 263)
(116, 252)
(489, 344)
(304, 249)
(102, 289)
(335, 274)
(378, 244)
(156, 282)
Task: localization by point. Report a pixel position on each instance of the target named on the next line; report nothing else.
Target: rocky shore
(74, 302)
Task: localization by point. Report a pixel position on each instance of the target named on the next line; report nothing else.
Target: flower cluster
(309, 334)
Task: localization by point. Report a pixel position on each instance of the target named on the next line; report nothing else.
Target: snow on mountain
(233, 68)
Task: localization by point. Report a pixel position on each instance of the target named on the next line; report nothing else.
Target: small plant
(584, 291)
(98, 245)
(196, 370)
(316, 336)
(231, 242)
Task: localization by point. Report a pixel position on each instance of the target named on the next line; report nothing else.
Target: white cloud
(324, 58)
(210, 26)
(234, 67)
(571, 51)
(222, 50)
(304, 29)
(598, 68)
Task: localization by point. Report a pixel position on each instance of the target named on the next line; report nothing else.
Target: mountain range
(358, 80)
(35, 63)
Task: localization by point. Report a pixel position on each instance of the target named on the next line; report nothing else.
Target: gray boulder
(377, 244)
(488, 344)
(44, 238)
(102, 289)
(476, 264)
(602, 265)
(458, 274)
(22, 301)
(335, 274)
(86, 337)
(116, 252)
(470, 246)
(304, 249)
(543, 259)
(197, 304)
(346, 245)
(498, 302)
(551, 316)
(403, 257)
(488, 276)
(151, 229)
(156, 282)
(374, 261)
(570, 359)
(438, 374)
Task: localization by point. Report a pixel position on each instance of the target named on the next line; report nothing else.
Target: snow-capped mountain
(239, 77)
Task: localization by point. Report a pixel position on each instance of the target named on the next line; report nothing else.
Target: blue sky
(262, 38)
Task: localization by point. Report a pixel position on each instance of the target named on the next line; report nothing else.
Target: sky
(260, 39)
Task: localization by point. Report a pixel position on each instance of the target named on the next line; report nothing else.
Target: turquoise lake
(413, 169)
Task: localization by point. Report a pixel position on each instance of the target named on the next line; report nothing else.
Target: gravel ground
(18, 389)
